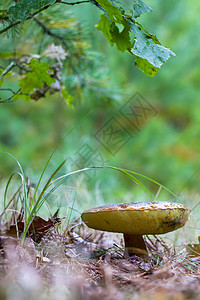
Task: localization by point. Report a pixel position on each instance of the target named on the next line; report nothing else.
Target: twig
(8, 89)
(38, 11)
(14, 94)
(30, 17)
(49, 32)
(10, 67)
(8, 99)
(73, 3)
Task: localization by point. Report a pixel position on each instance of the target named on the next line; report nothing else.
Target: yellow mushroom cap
(137, 218)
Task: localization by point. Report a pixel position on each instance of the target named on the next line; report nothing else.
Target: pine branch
(30, 17)
(49, 32)
(39, 11)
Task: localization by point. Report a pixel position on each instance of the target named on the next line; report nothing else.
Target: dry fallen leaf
(38, 228)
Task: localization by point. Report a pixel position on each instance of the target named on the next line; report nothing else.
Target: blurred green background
(166, 144)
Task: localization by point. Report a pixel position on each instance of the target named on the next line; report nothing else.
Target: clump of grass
(32, 205)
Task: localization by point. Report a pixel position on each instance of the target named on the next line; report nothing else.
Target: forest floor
(85, 264)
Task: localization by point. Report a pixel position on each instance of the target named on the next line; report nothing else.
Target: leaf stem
(73, 3)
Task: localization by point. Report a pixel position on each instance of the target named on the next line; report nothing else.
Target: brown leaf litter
(90, 265)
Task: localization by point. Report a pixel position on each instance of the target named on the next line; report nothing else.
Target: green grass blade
(189, 179)
(145, 177)
(7, 186)
(49, 193)
(71, 173)
(125, 172)
(138, 182)
(69, 216)
(47, 184)
(26, 204)
(33, 208)
(40, 201)
(90, 168)
(39, 205)
(47, 163)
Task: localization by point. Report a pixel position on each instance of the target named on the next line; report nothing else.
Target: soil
(91, 265)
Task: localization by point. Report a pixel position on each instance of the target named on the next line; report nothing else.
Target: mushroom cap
(137, 218)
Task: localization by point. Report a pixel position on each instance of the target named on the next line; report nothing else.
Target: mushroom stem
(135, 245)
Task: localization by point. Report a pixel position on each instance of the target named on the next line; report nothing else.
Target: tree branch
(40, 10)
(49, 32)
(8, 69)
(14, 94)
(73, 3)
(30, 17)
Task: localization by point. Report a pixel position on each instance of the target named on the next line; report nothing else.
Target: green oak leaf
(67, 97)
(122, 38)
(146, 67)
(40, 74)
(128, 35)
(114, 35)
(133, 8)
(125, 7)
(104, 26)
(111, 10)
(140, 8)
(145, 47)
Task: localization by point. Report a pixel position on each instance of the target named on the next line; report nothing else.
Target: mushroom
(137, 219)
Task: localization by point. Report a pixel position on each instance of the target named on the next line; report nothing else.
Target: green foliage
(31, 207)
(119, 24)
(113, 34)
(10, 54)
(67, 97)
(22, 9)
(63, 61)
(167, 146)
(146, 67)
(111, 10)
(144, 45)
(40, 73)
(140, 8)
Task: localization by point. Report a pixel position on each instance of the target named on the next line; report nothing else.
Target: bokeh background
(166, 144)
